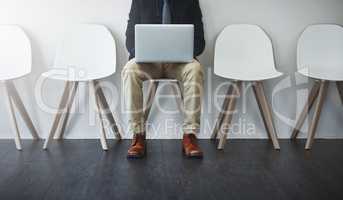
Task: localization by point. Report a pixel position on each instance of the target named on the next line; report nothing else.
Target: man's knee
(131, 70)
(194, 72)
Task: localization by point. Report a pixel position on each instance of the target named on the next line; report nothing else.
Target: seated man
(190, 75)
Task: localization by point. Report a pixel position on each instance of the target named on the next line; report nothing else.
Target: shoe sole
(190, 156)
(139, 156)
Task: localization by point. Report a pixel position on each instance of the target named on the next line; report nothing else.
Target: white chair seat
(79, 76)
(86, 52)
(320, 49)
(244, 52)
(323, 73)
(248, 76)
(6, 77)
(15, 53)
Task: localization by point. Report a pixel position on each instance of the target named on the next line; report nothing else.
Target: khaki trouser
(191, 77)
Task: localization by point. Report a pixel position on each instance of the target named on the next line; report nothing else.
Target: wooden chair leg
(266, 112)
(12, 117)
(177, 90)
(66, 113)
(228, 116)
(21, 108)
(260, 106)
(150, 98)
(311, 99)
(339, 85)
(106, 110)
(62, 106)
(222, 112)
(314, 124)
(93, 93)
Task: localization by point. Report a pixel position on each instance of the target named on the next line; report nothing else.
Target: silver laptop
(162, 43)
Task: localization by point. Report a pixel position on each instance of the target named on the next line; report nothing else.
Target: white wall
(44, 20)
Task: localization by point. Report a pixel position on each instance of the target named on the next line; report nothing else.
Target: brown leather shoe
(137, 149)
(190, 147)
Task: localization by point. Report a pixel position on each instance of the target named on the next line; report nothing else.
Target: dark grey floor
(247, 169)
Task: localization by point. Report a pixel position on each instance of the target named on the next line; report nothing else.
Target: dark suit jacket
(149, 12)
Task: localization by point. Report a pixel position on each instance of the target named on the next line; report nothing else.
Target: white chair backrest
(90, 51)
(321, 46)
(243, 50)
(15, 52)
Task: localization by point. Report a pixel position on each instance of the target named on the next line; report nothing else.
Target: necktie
(166, 16)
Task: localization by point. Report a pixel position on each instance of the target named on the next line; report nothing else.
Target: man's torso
(150, 11)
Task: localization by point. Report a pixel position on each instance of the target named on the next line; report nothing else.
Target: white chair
(88, 53)
(244, 53)
(320, 57)
(15, 62)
